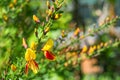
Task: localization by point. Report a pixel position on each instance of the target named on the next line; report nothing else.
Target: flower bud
(36, 19)
(46, 30)
(5, 17)
(13, 67)
(14, 1)
(49, 12)
(48, 4)
(24, 44)
(63, 34)
(57, 16)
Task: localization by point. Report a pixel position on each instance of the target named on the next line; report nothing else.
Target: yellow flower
(76, 32)
(66, 64)
(91, 50)
(13, 67)
(11, 5)
(30, 55)
(84, 49)
(57, 16)
(94, 47)
(63, 34)
(14, 1)
(98, 46)
(49, 12)
(101, 44)
(49, 44)
(82, 36)
(36, 19)
(5, 17)
(105, 44)
(33, 46)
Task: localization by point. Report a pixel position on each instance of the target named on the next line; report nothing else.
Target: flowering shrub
(52, 51)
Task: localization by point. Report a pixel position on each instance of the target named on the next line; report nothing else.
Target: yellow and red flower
(47, 50)
(32, 65)
(30, 57)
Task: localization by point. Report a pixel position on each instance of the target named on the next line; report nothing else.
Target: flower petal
(49, 55)
(26, 69)
(30, 55)
(49, 44)
(33, 66)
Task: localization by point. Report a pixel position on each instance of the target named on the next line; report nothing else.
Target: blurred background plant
(85, 34)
